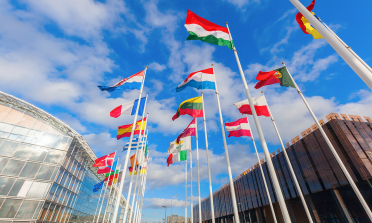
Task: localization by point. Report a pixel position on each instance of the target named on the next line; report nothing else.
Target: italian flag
(206, 31)
(177, 157)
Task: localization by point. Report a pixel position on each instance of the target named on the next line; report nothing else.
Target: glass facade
(45, 168)
(329, 196)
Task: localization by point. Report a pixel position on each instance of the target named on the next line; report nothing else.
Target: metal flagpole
(109, 201)
(232, 189)
(209, 168)
(98, 201)
(128, 152)
(138, 187)
(144, 188)
(270, 165)
(263, 175)
(197, 164)
(134, 166)
(191, 208)
(137, 181)
(290, 167)
(186, 191)
(359, 68)
(339, 161)
(99, 212)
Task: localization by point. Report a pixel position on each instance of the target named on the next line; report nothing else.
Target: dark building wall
(327, 192)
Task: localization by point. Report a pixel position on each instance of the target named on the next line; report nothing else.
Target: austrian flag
(238, 128)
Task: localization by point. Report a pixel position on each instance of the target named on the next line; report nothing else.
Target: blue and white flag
(135, 144)
(133, 82)
(98, 186)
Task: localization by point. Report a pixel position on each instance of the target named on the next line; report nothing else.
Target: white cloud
(157, 67)
(159, 202)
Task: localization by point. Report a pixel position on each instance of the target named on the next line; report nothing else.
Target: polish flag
(238, 128)
(259, 103)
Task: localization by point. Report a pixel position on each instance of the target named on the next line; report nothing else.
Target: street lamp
(165, 219)
(243, 212)
(171, 203)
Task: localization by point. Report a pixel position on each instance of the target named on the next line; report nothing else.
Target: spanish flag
(305, 24)
(125, 130)
(192, 107)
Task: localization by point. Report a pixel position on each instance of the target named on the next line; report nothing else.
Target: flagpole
(134, 165)
(209, 168)
(128, 152)
(270, 165)
(143, 188)
(186, 191)
(232, 189)
(108, 199)
(197, 164)
(338, 159)
(109, 215)
(191, 208)
(290, 167)
(359, 68)
(262, 173)
(137, 180)
(98, 201)
(99, 212)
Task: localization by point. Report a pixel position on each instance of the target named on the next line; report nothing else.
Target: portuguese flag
(206, 31)
(279, 75)
(192, 107)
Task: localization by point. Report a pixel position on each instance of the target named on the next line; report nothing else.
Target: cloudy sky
(54, 54)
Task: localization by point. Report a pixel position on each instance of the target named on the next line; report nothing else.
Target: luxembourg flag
(238, 128)
(203, 79)
(129, 108)
(133, 82)
(260, 105)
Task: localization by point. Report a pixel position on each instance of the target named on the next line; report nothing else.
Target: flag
(185, 144)
(98, 186)
(119, 176)
(305, 25)
(132, 160)
(112, 177)
(189, 131)
(126, 130)
(192, 107)
(142, 170)
(238, 128)
(206, 31)
(177, 157)
(107, 169)
(279, 75)
(104, 160)
(146, 150)
(203, 79)
(259, 103)
(129, 108)
(135, 144)
(133, 82)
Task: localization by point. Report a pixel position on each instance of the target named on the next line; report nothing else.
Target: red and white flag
(259, 103)
(238, 128)
(104, 160)
(189, 131)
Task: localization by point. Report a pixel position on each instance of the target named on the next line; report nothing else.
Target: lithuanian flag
(112, 177)
(305, 25)
(279, 75)
(192, 107)
(126, 130)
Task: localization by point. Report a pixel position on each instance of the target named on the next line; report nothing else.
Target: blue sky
(54, 54)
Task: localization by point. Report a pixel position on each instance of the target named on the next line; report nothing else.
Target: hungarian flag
(260, 105)
(189, 131)
(280, 76)
(192, 107)
(305, 25)
(104, 160)
(238, 128)
(206, 31)
(126, 130)
(177, 157)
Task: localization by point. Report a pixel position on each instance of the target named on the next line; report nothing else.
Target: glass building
(328, 194)
(45, 169)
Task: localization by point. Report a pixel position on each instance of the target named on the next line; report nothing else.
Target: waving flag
(98, 186)
(107, 169)
(238, 128)
(185, 144)
(203, 79)
(126, 130)
(112, 177)
(260, 105)
(189, 131)
(133, 82)
(129, 108)
(305, 25)
(104, 160)
(192, 107)
(279, 75)
(206, 31)
(135, 144)
(177, 157)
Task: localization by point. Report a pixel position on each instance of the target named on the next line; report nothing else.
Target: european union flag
(98, 186)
